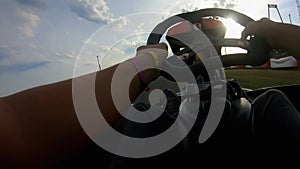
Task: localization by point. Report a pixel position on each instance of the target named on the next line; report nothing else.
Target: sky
(43, 42)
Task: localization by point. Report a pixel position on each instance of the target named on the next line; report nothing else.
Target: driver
(41, 122)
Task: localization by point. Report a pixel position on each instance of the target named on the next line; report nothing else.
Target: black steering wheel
(257, 50)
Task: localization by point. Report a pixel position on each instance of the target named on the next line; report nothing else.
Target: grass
(260, 78)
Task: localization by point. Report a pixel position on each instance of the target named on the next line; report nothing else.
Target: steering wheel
(257, 50)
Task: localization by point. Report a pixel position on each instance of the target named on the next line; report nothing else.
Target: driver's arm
(41, 123)
(277, 35)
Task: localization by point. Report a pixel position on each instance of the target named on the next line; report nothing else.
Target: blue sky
(40, 40)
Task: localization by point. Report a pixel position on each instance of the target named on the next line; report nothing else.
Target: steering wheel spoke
(231, 43)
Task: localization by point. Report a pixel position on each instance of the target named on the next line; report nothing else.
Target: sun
(233, 30)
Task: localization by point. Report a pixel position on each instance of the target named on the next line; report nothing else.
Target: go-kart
(233, 133)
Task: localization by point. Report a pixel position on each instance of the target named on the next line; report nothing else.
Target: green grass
(260, 78)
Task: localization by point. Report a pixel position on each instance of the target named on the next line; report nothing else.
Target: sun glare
(233, 30)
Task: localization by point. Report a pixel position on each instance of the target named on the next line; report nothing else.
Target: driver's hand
(145, 58)
(260, 28)
(161, 50)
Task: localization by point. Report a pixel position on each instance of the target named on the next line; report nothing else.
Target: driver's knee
(274, 116)
(272, 94)
(266, 101)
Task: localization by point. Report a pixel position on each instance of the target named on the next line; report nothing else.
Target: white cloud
(92, 10)
(183, 6)
(28, 23)
(12, 56)
(188, 7)
(133, 43)
(119, 25)
(71, 54)
(229, 4)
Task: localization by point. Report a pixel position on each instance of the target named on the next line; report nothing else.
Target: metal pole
(290, 17)
(98, 63)
(298, 6)
(279, 14)
(269, 11)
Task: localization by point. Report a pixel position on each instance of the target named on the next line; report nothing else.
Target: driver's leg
(275, 119)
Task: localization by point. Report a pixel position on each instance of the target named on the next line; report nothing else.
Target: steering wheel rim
(257, 50)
